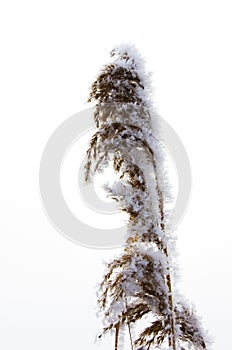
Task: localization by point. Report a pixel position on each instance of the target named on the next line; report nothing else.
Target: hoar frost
(139, 284)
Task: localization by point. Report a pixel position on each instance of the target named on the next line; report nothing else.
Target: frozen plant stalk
(137, 287)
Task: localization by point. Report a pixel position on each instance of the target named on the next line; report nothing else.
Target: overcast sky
(51, 51)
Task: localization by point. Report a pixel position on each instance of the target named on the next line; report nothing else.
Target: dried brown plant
(138, 285)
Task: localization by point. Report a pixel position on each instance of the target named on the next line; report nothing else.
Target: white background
(51, 51)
